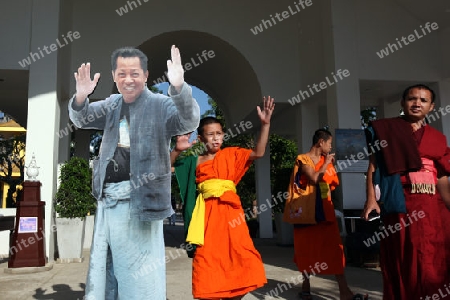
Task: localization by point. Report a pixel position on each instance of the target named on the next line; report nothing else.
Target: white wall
(273, 58)
(380, 23)
(444, 37)
(285, 57)
(15, 20)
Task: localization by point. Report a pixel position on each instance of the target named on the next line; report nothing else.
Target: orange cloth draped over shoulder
(320, 243)
(227, 265)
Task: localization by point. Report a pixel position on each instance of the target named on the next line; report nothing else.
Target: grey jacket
(154, 119)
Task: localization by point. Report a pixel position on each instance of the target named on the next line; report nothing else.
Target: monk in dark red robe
(413, 245)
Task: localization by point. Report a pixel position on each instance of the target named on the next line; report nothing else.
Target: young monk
(319, 244)
(226, 264)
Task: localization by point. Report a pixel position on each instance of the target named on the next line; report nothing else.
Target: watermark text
(379, 235)
(40, 53)
(194, 62)
(404, 41)
(316, 88)
(266, 24)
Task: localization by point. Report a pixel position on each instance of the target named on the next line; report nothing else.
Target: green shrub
(73, 198)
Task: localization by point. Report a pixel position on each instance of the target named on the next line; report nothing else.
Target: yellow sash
(207, 189)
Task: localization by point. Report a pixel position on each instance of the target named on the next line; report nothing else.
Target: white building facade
(323, 62)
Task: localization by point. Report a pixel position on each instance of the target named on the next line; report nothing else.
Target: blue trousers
(127, 259)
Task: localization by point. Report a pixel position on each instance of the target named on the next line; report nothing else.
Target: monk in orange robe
(318, 248)
(226, 264)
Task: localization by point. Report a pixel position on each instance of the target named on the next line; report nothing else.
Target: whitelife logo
(379, 235)
(69, 37)
(124, 9)
(302, 95)
(280, 17)
(188, 66)
(411, 38)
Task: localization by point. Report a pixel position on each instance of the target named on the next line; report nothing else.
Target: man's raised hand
(175, 72)
(84, 85)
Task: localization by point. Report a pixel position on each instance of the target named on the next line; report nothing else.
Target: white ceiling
(428, 11)
(14, 83)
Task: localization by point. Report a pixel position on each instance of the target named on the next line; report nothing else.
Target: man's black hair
(420, 87)
(129, 52)
(321, 134)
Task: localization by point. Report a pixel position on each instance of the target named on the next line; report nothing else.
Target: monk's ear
(431, 106)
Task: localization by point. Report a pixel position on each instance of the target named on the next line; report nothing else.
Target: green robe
(185, 173)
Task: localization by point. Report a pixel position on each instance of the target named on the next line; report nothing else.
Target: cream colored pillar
(442, 87)
(342, 80)
(443, 111)
(390, 108)
(264, 195)
(307, 122)
(44, 94)
(444, 39)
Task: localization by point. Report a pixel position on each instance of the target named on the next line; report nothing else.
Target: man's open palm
(175, 71)
(84, 85)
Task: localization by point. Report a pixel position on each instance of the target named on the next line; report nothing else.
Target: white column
(307, 119)
(44, 108)
(390, 108)
(444, 38)
(443, 93)
(343, 96)
(298, 128)
(339, 30)
(264, 194)
(440, 118)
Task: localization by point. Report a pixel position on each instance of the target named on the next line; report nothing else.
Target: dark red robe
(415, 255)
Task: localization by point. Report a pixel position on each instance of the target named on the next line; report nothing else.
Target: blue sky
(198, 94)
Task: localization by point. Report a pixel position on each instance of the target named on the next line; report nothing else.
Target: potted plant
(285, 231)
(73, 202)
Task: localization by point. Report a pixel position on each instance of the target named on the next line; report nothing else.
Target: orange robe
(320, 243)
(227, 265)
